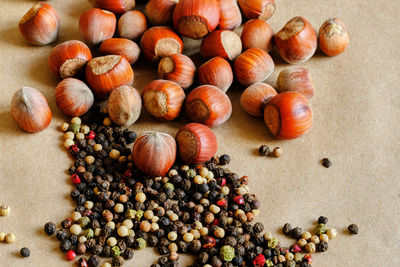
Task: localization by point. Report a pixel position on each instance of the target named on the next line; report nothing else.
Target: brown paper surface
(356, 125)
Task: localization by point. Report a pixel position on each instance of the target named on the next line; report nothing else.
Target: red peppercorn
(221, 202)
(259, 261)
(295, 248)
(244, 180)
(127, 174)
(74, 148)
(209, 242)
(222, 181)
(66, 223)
(215, 223)
(75, 179)
(91, 135)
(308, 258)
(82, 262)
(70, 255)
(238, 200)
(87, 213)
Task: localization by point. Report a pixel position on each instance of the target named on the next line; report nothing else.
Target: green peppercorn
(140, 243)
(75, 128)
(139, 215)
(321, 228)
(227, 253)
(269, 263)
(115, 251)
(84, 221)
(169, 186)
(273, 242)
(88, 233)
(191, 173)
(130, 214)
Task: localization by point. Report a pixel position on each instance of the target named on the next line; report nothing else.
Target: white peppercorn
(64, 127)
(196, 233)
(111, 224)
(289, 256)
(131, 233)
(106, 264)
(225, 190)
(314, 239)
(112, 241)
(198, 179)
(114, 154)
(89, 159)
(82, 239)
(310, 247)
(118, 208)
(148, 214)
(306, 235)
(2, 236)
(140, 197)
(204, 231)
(219, 232)
(155, 219)
(89, 205)
(85, 129)
(188, 237)
(97, 147)
(123, 231)
(75, 229)
(173, 217)
(172, 236)
(76, 120)
(10, 238)
(281, 258)
(4, 210)
(324, 237)
(215, 209)
(173, 247)
(68, 143)
(80, 136)
(69, 135)
(75, 216)
(172, 173)
(128, 223)
(332, 233)
(154, 227)
(302, 242)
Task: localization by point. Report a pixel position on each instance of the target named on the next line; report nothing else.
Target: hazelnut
(132, 24)
(296, 79)
(159, 12)
(30, 110)
(96, 25)
(257, 34)
(333, 37)
(120, 46)
(257, 9)
(177, 68)
(255, 97)
(73, 97)
(218, 72)
(223, 43)
(230, 16)
(195, 19)
(116, 6)
(40, 25)
(124, 105)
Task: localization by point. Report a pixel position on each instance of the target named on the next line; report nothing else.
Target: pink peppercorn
(295, 248)
(75, 179)
(91, 135)
(221, 202)
(308, 258)
(238, 200)
(70, 256)
(209, 242)
(215, 223)
(259, 261)
(74, 148)
(127, 174)
(223, 182)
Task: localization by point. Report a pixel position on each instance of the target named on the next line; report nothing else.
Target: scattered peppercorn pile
(206, 210)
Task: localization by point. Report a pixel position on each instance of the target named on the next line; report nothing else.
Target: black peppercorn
(130, 136)
(129, 253)
(326, 162)
(323, 220)
(50, 228)
(322, 246)
(97, 250)
(353, 229)
(224, 159)
(263, 150)
(81, 249)
(297, 232)
(107, 251)
(94, 261)
(287, 229)
(61, 235)
(117, 261)
(65, 245)
(25, 252)
(305, 264)
(258, 227)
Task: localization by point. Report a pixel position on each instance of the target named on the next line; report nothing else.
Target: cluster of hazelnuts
(287, 115)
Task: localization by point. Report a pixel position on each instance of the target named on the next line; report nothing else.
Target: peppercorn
(94, 261)
(129, 253)
(353, 229)
(323, 220)
(115, 251)
(50, 228)
(4, 210)
(321, 228)
(332, 233)
(258, 227)
(227, 253)
(263, 150)
(140, 243)
(287, 229)
(224, 159)
(81, 249)
(297, 232)
(118, 261)
(82, 262)
(61, 235)
(25, 252)
(276, 153)
(322, 246)
(306, 235)
(310, 247)
(273, 242)
(326, 162)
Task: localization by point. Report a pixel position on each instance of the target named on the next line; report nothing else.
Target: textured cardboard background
(356, 121)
